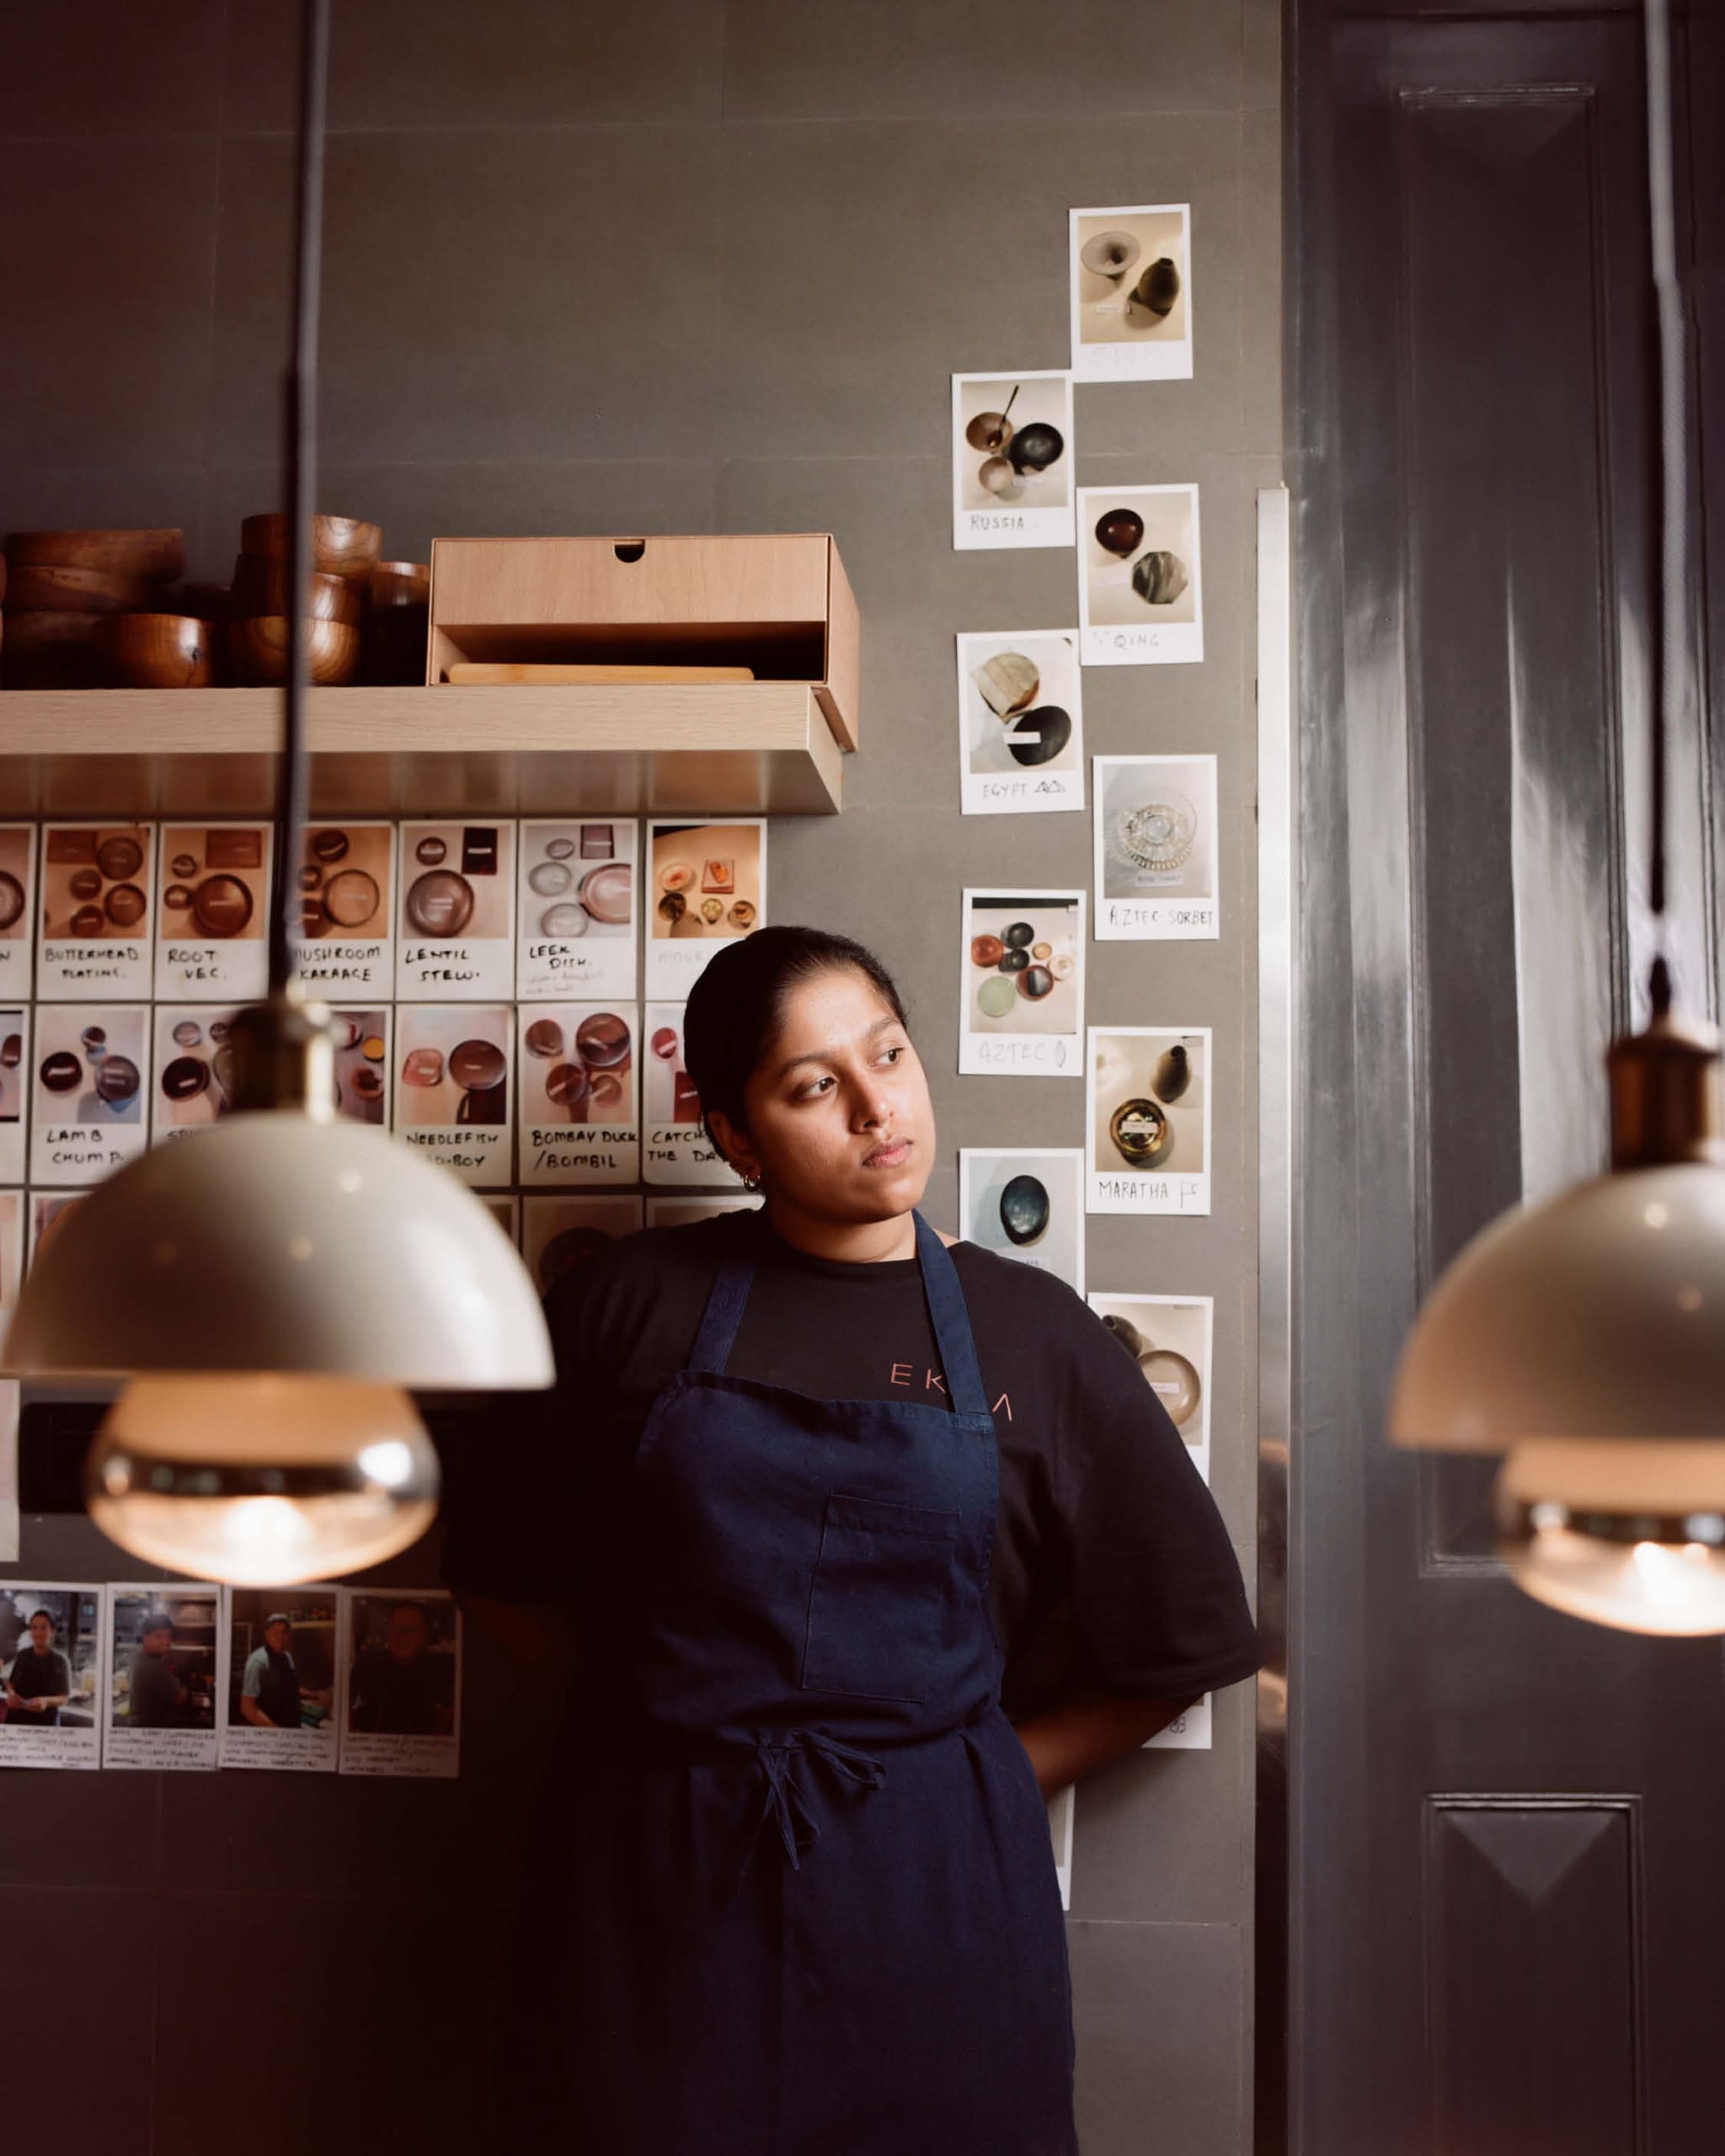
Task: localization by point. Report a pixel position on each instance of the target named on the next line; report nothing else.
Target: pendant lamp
(1583, 1337)
(270, 1286)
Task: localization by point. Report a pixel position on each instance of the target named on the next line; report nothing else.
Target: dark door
(1508, 1878)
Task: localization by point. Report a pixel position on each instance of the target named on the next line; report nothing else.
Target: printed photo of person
(39, 1679)
(163, 1658)
(51, 1665)
(283, 1656)
(402, 1680)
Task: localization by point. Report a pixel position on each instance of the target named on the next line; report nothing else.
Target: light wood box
(779, 603)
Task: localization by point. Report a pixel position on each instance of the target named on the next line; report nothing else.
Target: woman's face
(838, 1124)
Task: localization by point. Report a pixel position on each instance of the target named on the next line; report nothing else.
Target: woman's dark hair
(736, 1009)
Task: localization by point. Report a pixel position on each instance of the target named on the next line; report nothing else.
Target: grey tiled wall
(676, 265)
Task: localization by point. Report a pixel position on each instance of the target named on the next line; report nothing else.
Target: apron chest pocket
(875, 1608)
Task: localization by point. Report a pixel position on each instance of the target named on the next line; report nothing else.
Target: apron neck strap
(952, 1338)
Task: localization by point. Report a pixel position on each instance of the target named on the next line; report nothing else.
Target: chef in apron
(793, 1891)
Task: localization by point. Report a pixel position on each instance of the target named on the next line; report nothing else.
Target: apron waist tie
(786, 1800)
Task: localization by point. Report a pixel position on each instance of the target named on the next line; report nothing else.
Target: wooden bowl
(259, 646)
(341, 546)
(260, 587)
(52, 651)
(158, 651)
(36, 589)
(158, 556)
(401, 583)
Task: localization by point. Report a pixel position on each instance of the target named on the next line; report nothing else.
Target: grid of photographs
(1147, 1110)
(1020, 722)
(1021, 992)
(1155, 843)
(1131, 293)
(1012, 460)
(1141, 595)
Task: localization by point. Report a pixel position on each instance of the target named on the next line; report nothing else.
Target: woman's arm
(1090, 1731)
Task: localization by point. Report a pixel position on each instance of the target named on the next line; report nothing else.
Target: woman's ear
(733, 1141)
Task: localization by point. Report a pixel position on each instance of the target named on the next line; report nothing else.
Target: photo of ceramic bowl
(605, 893)
(440, 904)
(95, 884)
(1109, 254)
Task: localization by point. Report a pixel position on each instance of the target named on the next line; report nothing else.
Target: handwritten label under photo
(1187, 1732)
(344, 935)
(88, 1093)
(453, 1086)
(1021, 985)
(1020, 722)
(455, 935)
(52, 1676)
(578, 886)
(14, 1080)
(13, 1214)
(1170, 1338)
(167, 1655)
(560, 1233)
(1131, 291)
(1026, 1201)
(705, 887)
(17, 909)
(1147, 1113)
(1155, 845)
(687, 1212)
(674, 1146)
(578, 1070)
(97, 912)
(401, 1682)
(1140, 592)
(1012, 460)
(210, 945)
(278, 1708)
(191, 1068)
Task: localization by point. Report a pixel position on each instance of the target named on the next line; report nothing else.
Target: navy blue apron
(808, 1904)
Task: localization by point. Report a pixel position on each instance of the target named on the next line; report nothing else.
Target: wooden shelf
(755, 747)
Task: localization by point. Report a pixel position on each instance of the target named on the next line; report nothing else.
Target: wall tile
(1002, 60)
(105, 354)
(439, 64)
(482, 298)
(86, 1960)
(1161, 2061)
(109, 68)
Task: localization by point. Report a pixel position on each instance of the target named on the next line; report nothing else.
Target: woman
(801, 1896)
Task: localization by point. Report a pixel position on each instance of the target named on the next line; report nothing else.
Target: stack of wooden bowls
(66, 593)
(394, 652)
(259, 628)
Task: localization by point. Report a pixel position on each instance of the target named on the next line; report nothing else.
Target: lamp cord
(1670, 466)
(300, 404)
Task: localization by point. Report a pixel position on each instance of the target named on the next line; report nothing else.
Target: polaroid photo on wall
(167, 1675)
(344, 937)
(362, 1039)
(401, 1682)
(1061, 1807)
(452, 1087)
(87, 1098)
(705, 887)
(15, 1067)
(1012, 460)
(576, 908)
(1170, 1338)
(11, 1399)
(579, 1124)
(1020, 722)
(1141, 595)
(1155, 842)
(13, 1212)
(97, 912)
(1147, 1111)
(675, 1147)
(1131, 285)
(505, 1208)
(191, 1067)
(18, 910)
(1026, 1201)
(284, 1652)
(558, 1234)
(685, 1212)
(52, 1678)
(214, 879)
(1187, 1732)
(47, 1208)
(455, 935)
(1021, 989)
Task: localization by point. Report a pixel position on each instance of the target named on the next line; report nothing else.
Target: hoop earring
(750, 1182)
